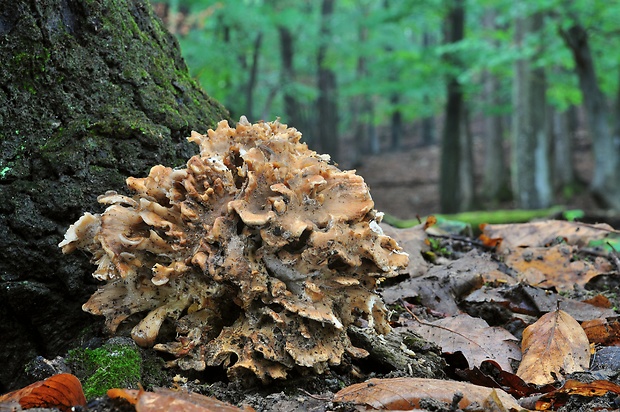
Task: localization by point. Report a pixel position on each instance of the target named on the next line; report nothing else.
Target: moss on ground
(116, 364)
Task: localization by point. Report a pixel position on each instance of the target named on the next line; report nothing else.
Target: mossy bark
(90, 92)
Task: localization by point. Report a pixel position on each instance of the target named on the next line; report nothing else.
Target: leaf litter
(549, 287)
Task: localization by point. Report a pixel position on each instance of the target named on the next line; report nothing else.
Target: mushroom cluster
(260, 251)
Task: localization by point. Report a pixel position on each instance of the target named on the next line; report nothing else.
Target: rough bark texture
(90, 92)
(530, 155)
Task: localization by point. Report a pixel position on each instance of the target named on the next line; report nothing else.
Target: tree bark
(249, 97)
(327, 105)
(530, 139)
(90, 93)
(450, 190)
(496, 183)
(604, 185)
(563, 138)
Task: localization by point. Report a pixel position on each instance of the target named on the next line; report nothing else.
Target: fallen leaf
(473, 337)
(62, 391)
(444, 285)
(533, 301)
(405, 394)
(600, 301)
(412, 241)
(555, 266)
(603, 331)
(163, 400)
(491, 375)
(552, 346)
(558, 398)
(540, 234)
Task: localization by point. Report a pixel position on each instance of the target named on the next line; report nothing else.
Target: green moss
(113, 365)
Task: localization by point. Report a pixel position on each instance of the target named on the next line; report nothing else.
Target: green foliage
(113, 365)
(388, 48)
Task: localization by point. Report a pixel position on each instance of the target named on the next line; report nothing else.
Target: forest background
(528, 83)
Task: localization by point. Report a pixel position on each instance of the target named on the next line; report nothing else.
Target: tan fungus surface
(260, 251)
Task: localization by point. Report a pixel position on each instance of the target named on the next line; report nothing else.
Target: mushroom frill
(260, 251)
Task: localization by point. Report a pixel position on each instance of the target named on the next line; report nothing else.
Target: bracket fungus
(260, 251)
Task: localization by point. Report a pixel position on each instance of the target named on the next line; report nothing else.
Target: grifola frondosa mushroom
(260, 250)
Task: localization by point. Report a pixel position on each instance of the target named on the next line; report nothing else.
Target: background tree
(530, 138)
(451, 145)
(327, 104)
(604, 183)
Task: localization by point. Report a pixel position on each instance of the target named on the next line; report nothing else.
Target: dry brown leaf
(532, 301)
(473, 337)
(411, 240)
(62, 391)
(164, 400)
(603, 331)
(539, 234)
(553, 346)
(405, 394)
(558, 398)
(554, 266)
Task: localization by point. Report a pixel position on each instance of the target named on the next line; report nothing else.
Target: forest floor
(405, 184)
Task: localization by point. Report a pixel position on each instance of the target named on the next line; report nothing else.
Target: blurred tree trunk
(327, 105)
(496, 180)
(292, 107)
(563, 138)
(604, 184)
(396, 125)
(450, 181)
(530, 138)
(466, 173)
(362, 108)
(249, 91)
(428, 122)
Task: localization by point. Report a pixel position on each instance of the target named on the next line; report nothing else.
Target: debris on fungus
(260, 251)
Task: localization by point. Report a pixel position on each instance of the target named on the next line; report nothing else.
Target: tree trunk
(530, 144)
(90, 93)
(563, 137)
(287, 77)
(396, 125)
(327, 104)
(427, 123)
(249, 97)
(496, 181)
(604, 184)
(466, 173)
(449, 185)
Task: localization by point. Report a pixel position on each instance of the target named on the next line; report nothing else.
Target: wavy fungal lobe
(259, 251)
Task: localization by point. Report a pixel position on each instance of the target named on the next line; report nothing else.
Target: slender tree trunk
(249, 97)
(495, 170)
(450, 190)
(530, 162)
(468, 192)
(327, 105)
(292, 110)
(604, 184)
(396, 125)
(428, 123)
(563, 137)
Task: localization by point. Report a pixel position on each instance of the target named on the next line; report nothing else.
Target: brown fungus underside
(261, 251)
